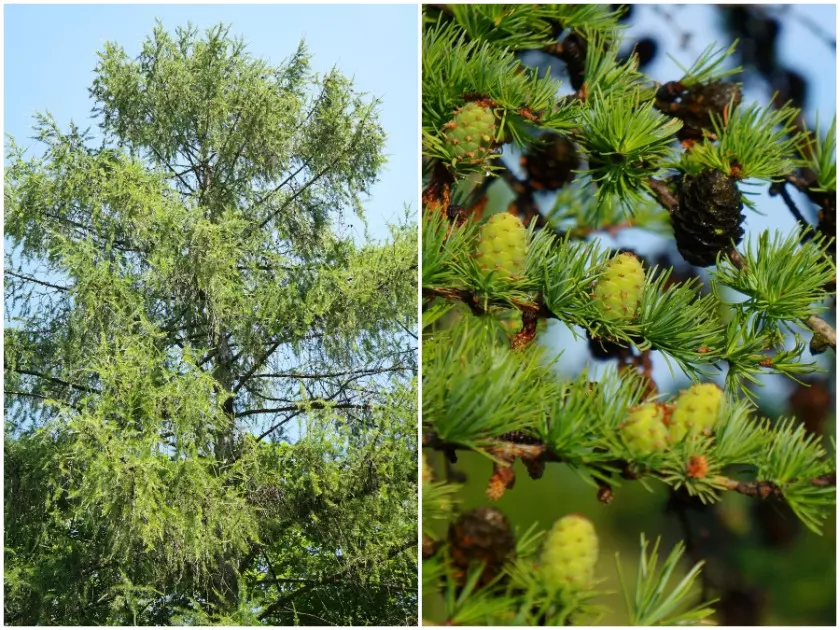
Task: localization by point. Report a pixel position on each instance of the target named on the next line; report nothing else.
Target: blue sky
(50, 54)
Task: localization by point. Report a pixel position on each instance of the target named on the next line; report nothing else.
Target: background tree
(608, 153)
(210, 393)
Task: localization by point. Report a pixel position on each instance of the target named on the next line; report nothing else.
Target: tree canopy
(210, 385)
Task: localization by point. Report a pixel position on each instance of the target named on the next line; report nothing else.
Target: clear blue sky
(50, 54)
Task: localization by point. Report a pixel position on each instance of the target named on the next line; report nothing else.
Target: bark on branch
(329, 579)
(534, 454)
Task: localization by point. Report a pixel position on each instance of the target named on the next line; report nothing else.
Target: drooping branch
(37, 396)
(330, 579)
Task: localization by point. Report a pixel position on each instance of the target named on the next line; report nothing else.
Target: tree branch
(324, 375)
(821, 327)
(534, 454)
(38, 396)
(53, 379)
(302, 406)
(257, 364)
(323, 172)
(36, 281)
(663, 194)
(172, 170)
(816, 324)
(331, 579)
(277, 425)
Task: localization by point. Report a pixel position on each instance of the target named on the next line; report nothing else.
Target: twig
(816, 324)
(43, 283)
(821, 327)
(663, 194)
(465, 296)
(513, 446)
(780, 188)
(52, 379)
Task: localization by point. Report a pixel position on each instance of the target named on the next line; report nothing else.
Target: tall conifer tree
(210, 386)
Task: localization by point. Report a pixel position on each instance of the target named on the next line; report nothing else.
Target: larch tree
(210, 387)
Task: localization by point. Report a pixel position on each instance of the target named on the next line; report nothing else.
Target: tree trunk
(225, 582)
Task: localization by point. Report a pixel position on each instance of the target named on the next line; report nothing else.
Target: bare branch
(43, 283)
(302, 406)
(52, 379)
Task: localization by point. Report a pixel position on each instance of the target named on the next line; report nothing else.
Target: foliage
(210, 393)
(519, 595)
(819, 153)
(652, 604)
(495, 391)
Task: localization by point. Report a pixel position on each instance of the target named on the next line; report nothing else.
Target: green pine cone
(570, 553)
(470, 137)
(644, 431)
(695, 411)
(503, 246)
(619, 289)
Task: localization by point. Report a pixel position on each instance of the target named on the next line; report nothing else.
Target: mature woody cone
(550, 163)
(574, 54)
(712, 98)
(708, 217)
(603, 349)
(482, 535)
(696, 105)
(811, 402)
